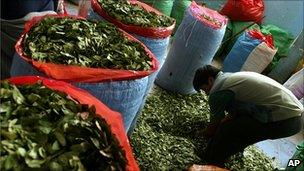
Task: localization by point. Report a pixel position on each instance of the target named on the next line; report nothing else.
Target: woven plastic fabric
(121, 90)
(196, 42)
(252, 52)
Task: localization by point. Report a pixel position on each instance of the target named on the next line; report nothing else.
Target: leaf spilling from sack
(46, 130)
(211, 20)
(167, 135)
(84, 43)
(134, 14)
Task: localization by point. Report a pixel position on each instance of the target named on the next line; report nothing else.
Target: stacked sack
(243, 15)
(55, 126)
(142, 21)
(120, 88)
(156, 38)
(196, 42)
(252, 51)
(234, 30)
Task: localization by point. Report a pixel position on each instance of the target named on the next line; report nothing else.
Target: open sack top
(199, 11)
(73, 73)
(264, 38)
(157, 32)
(112, 118)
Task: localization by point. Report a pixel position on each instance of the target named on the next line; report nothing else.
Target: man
(258, 108)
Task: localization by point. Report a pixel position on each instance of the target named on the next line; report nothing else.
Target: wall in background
(287, 14)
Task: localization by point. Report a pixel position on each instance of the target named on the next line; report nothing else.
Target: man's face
(207, 87)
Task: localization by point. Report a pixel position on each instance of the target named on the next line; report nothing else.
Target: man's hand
(213, 126)
(227, 118)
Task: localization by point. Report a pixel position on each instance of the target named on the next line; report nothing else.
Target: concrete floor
(280, 149)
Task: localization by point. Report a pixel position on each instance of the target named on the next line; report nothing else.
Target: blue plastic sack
(158, 46)
(239, 53)
(194, 45)
(253, 51)
(124, 97)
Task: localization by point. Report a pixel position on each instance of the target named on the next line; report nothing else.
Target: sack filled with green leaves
(76, 42)
(95, 56)
(142, 21)
(135, 17)
(52, 125)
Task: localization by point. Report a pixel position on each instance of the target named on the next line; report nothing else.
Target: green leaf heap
(167, 138)
(134, 14)
(42, 129)
(84, 43)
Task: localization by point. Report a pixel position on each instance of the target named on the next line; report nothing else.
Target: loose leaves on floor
(166, 136)
(133, 14)
(84, 43)
(46, 130)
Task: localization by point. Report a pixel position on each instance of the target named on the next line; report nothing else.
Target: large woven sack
(111, 117)
(196, 42)
(252, 52)
(121, 90)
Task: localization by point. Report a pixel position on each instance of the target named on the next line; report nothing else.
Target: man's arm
(218, 102)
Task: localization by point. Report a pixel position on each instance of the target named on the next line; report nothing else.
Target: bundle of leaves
(166, 137)
(84, 43)
(47, 130)
(134, 14)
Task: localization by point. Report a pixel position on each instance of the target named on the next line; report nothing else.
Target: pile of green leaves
(134, 14)
(84, 43)
(167, 138)
(46, 130)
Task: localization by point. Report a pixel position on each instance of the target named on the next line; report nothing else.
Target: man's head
(204, 78)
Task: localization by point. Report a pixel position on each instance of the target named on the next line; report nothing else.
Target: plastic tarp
(244, 10)
(178, 10)
(121, 90)
(196, 42)
(296, 84)
(282, 41)
(112, 118)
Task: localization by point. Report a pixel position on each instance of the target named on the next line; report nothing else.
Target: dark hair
(202, 75)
